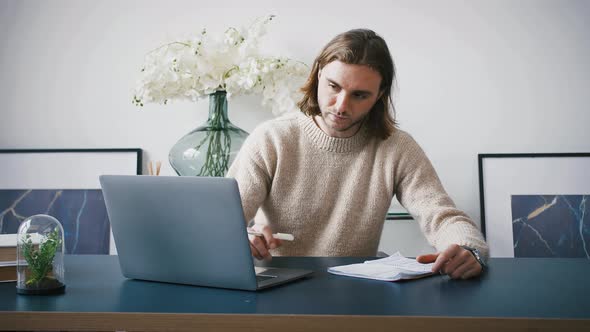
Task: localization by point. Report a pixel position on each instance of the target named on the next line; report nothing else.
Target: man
(327, 174)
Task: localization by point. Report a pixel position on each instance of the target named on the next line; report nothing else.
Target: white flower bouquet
(196, 67)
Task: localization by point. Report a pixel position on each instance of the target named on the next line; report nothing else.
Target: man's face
(346, 94)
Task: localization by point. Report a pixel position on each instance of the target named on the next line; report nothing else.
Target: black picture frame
(64, 173)
(508, 180)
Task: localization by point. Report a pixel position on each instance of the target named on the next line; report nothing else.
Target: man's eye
(360, 96)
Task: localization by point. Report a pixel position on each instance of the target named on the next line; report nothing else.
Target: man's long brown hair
(357, 47)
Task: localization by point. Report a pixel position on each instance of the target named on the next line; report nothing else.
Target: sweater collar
(333, 144)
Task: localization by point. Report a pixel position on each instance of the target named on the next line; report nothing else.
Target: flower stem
(218, 138)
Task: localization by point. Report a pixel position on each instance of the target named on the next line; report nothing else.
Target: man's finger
(271, 242)
(460, 271)
(255, 252)
(440, 262)
(472, 273)
(260, 245)
(445, 257)
(461, 257)
(425, 259)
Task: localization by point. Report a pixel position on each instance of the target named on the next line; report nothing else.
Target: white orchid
(193, 68)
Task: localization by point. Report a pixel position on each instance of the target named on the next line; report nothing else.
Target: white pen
(279, 236)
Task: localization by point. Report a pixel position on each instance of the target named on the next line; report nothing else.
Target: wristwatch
(477, 256)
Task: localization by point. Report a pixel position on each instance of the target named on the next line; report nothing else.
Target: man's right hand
(260, 245)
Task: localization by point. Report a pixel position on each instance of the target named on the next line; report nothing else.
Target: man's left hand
(455, 261)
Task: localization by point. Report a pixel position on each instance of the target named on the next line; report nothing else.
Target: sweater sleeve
(419, 190)
(249, 170)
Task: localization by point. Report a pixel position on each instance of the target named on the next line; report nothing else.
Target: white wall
(474, 76)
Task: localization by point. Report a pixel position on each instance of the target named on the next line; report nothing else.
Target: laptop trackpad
(267, 277)
(263, 273)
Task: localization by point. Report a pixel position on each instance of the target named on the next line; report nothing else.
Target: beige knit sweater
(333, 194)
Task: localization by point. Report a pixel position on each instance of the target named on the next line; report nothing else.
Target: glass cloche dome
(40, 251)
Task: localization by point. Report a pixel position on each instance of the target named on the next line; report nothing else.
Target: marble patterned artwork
(551, 225)
(82, 214)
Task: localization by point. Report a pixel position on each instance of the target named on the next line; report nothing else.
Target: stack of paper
(392, 268)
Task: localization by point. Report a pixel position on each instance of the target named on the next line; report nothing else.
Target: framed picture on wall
(64, 184)
(535, 205)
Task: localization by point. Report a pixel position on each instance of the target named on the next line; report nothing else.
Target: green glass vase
(209, 149)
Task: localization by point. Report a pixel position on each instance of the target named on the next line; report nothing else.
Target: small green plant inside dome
(40, 260)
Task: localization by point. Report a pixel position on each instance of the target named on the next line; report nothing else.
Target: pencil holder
(39, 256)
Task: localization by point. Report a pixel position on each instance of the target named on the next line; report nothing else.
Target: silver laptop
(186, 230)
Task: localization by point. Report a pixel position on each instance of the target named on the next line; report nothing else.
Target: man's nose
(342, 101)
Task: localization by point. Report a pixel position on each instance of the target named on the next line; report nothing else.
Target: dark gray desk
(515, 294)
